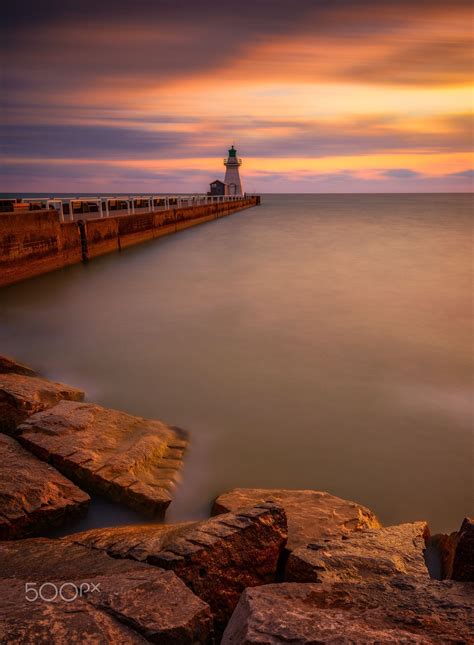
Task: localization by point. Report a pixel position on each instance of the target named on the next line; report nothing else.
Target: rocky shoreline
(269, 565)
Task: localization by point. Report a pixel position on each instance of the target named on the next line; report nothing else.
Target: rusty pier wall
(36, 242)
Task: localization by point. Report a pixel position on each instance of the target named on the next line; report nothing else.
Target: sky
(146, 96)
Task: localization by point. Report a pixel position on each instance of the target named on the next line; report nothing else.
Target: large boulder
(52, 592)
(21, 396)
(393, 610)
(33, 495)
(311, 514)
(8, 365)
(127, 459)
(217, 558)
(362, 556)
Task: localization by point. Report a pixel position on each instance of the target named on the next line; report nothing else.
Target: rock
(402, 609)
(311, 514)
(463, 563)
(57, 623)
(33, 495)
(217, 558)
(457, 552)
(444, 546)
(137, 542)
(362, 556)
(98, 599)
(124, 458)
(21, 396)
(8, 365)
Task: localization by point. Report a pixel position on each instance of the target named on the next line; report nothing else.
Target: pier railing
(75, 208)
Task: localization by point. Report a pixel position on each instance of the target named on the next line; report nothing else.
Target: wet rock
(33, 495)
(78, 595)
(217, 558)
(311, 514)
(8, 365)
(127, 459)
(457, 552)
(362, 556)
(21, 396)
(402, 609)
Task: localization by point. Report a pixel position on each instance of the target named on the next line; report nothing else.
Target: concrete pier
(35, 242)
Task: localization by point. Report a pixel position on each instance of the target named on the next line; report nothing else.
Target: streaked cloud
(463, 174)
(313, 93)
(401, 173)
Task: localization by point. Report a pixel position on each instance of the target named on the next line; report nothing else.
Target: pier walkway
(58, 232)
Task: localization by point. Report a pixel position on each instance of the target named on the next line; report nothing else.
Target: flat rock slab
(217, 558)
(34, 496)
(397, 610)
(362, 556)
(78, 595)
(22, 396)
(8, 365)
(311, 514)
(127, 459)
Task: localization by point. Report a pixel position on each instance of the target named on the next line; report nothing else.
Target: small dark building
(217, 188)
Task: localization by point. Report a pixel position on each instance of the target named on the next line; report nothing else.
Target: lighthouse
(233, 185)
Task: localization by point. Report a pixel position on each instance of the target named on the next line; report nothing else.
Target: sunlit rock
(311, 514)
(402, 609)
(217, 558)
(362, 556)
(56, 593)
(34, 496)
(125, 458)
(8, 365)
(22, 396)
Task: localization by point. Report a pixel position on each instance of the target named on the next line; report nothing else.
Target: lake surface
(318, 341)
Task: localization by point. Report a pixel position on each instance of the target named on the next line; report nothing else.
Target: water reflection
(319, 341)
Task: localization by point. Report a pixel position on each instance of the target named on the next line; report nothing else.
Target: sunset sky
(317, 95)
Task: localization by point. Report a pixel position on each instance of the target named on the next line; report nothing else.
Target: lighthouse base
(233, 185)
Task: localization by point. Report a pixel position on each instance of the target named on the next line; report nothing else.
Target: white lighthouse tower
(233, 185)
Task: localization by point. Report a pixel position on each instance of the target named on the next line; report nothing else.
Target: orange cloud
(317, 88)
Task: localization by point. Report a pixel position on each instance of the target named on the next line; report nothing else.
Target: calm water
(319, 341)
